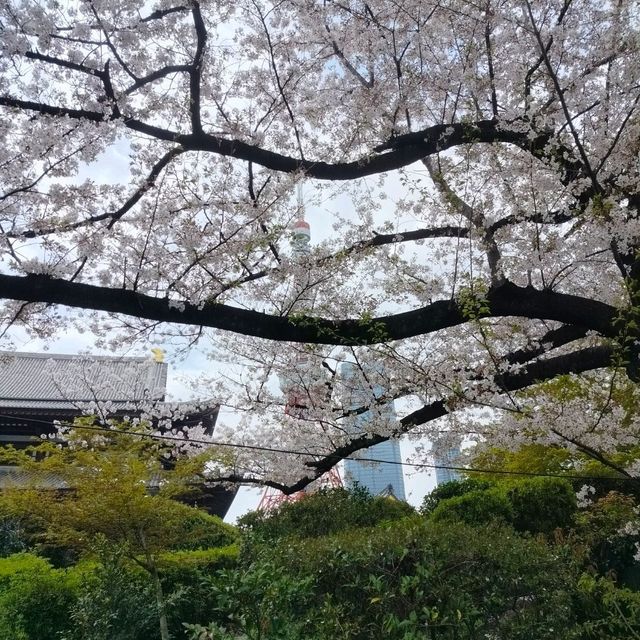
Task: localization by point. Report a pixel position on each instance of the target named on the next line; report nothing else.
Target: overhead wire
(338, 458)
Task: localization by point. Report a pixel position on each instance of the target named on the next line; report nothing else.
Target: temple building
(39, 389)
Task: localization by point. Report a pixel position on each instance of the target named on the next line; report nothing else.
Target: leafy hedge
(35, 598)
(404, 580)
(541, 505)
(325, 512)
(536, 505)
(106, 597)
(199, 530)
(451, 489)
(475, 507)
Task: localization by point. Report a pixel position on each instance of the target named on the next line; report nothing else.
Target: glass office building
(447, 458)
(383, 478)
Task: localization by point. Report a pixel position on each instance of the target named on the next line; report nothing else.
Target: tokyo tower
(304, 377)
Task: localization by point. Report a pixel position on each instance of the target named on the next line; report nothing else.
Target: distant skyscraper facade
(446, 458)
(377, 478)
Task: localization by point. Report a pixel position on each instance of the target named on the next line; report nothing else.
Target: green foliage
(407, 579)
(323, 513)
(115, 495)
(199, 530)
(472, 300)
(537, 458)
(609, 613)
(201, 559)
(541, 505)
(107, 596)
(187, 575)
(475, 507)
(14, 536)
(599, 536)
(263, 601)
(35, 598)
(114, 601)
(111, 478)
(533, 458)
(536, 505)
(451, 489)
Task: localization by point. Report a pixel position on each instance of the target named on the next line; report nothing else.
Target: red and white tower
(305, 382)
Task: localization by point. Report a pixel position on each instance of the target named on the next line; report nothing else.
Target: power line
(417, 465)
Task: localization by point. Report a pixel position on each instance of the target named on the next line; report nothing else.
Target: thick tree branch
(399, 152)
(504, 300)
(576, 362)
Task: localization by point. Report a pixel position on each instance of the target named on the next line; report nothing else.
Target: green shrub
(409, 579)
(600, 535)
(186, 577)
(475, 507)
(20, 562)
(115, 598)
(541, 505)
(199, 530)
(201, 559)
(607, 612)
(323, 513)
(536, 505)
(35, 599)
(451, 489)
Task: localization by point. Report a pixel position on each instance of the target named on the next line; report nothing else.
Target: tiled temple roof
(55, 381)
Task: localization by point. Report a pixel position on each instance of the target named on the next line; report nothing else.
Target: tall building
(447, 458)
(384, 478)
(304, 385)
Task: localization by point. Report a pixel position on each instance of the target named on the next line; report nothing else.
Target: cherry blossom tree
(474, 165)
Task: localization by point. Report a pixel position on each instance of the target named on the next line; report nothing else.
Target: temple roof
(60, 381)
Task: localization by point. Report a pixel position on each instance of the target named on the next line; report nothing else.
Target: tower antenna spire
(300, 200)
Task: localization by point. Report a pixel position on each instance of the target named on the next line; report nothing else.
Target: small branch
(112, 216)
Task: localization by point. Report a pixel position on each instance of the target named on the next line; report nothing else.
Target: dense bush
(107, 596)
(199, 530)
(404, 580)
(536, 505)
(451, 489)
(608, 613)
(35, 599)
(323, 513)
(541, 505)
(114, 599)
(185, 576)
(600, 535)
(475, 507)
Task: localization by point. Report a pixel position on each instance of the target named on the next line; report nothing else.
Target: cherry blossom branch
(475, 218)
(366, 83)
(158, 14)
(544, 52)
(279, 84)
(507, 299)
(195, 71)
(492, 77)
(112, 216)
(378, 240)
(159, 74)
(579, 361)
(399, 152)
